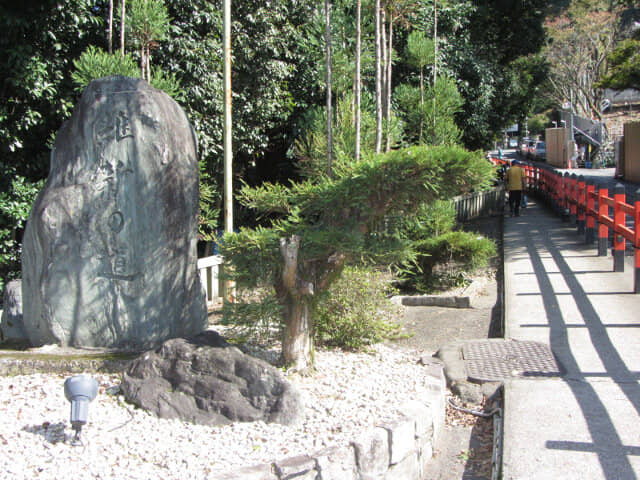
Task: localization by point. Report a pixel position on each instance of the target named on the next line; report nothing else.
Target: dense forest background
(455, 72)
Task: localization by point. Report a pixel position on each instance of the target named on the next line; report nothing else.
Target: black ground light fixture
(80, 390)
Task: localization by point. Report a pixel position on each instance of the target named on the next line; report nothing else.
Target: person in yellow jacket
(515, 181)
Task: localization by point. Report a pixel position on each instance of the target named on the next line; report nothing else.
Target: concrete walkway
(585, 423)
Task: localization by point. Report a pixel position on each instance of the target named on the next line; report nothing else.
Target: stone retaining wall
(398, 450)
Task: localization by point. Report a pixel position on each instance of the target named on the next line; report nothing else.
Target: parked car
(540, 151)
(530, 148)
(522, 148)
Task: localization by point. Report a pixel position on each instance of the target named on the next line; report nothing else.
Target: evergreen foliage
(624, 66)
(311, 146)
(443, 255)
(314, 227)
(95, 63)
(431, 121)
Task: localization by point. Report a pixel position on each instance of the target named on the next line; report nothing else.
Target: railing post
(582, 204)
(590, 232)
(603, 230)
(547, 186)
(573, 199)
(531, 185)
(566, 190)
(554, 194)
(636, 244)
(618, 239)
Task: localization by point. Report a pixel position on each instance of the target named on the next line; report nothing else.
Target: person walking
(515, 181)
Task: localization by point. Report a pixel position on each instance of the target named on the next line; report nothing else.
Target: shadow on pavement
(612, 454)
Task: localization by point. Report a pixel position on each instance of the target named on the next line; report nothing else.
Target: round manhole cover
(497, 360)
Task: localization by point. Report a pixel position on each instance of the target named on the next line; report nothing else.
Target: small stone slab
(435, 301)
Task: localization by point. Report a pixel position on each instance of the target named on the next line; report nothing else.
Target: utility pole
(228, 154)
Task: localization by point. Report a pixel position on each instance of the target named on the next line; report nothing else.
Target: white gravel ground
(349, 394)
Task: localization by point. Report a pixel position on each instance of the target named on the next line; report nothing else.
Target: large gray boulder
(109, 251)
(205, 380)
(11, 325)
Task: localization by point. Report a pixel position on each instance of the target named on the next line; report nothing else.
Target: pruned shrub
(356, 310)
(444, 256)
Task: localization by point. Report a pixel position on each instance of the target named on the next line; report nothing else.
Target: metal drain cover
(497, 360)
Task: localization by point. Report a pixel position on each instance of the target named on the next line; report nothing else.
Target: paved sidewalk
(585, 423)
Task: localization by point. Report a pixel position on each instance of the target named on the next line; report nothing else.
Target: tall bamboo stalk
(327, 12)
(122, 17)
(435, 59)
(357, 79)
(110, 34)
(388, 84)
(228, 154)
(378, 78)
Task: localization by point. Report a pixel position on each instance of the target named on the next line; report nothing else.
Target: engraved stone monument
(109, 251)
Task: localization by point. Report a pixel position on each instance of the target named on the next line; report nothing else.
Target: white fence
(209, 271)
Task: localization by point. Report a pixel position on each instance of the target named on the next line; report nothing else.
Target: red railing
(590, 209)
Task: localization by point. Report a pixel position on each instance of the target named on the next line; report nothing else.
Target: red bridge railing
(591, 209)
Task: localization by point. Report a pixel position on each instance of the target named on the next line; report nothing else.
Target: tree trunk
(122, 17)
(110, 33)
(295, 297)
(297, 341)
(378, 78)
(327, 8)
(357, 80)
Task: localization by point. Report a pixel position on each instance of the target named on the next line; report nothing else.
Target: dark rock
(205, 380)
(109, 251)
(12, 327)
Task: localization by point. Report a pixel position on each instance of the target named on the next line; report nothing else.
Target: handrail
(581, 203)
(209, 271)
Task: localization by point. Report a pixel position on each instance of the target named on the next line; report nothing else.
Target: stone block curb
(397, 450)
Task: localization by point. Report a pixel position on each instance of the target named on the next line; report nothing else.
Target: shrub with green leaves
(444, 255)
(16, 199)
(255, 313)
(356, 311)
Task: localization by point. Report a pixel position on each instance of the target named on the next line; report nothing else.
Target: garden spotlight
(79, 390)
